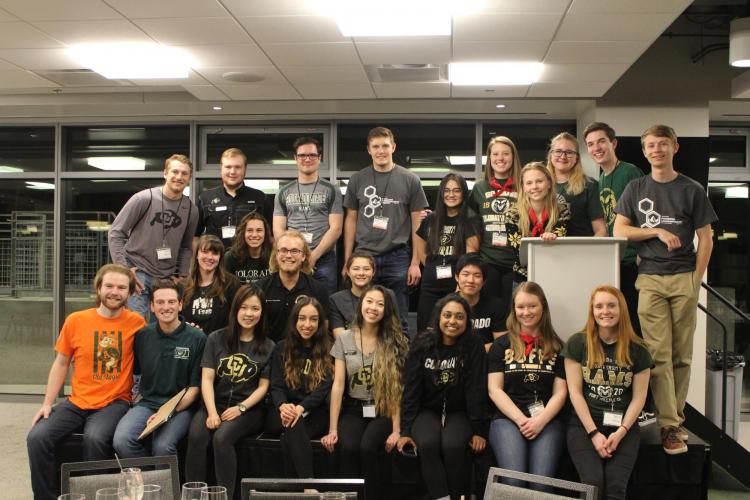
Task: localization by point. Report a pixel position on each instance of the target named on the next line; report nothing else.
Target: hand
(329, 440)
(313, 259)
(151, 418)
(230, 413)
(194, 325)
(424, 213)
(669, 239)
(613, 441)
(138, 284)
(404, 441)
(299, 411)
(213, 421)
(547, 237)
(532, 427)
(344, 272)
(43, 412)
(287, 414)
(600, 445)
(175, 279)
(478, 444)
(414, 275)
(391, 441)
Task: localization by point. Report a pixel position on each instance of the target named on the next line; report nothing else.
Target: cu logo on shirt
(181, 353)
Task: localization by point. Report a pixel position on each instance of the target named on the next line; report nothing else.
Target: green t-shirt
(610, 189)
(608, 387)
(496, 213)
(584, 207)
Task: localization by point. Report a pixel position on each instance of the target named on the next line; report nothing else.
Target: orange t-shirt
(101, 350)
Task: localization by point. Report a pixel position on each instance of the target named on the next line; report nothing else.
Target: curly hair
(294, 347)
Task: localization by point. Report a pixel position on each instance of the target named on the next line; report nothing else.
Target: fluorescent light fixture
(465, 160)
(739, 42)
(494, 73)
(712, 159)
(132, 61)
(283, 161)
(39, 185)
(736, 192)
(6, 169)
(217, 108)
(117, 163)
(500, 106)
(98, 225)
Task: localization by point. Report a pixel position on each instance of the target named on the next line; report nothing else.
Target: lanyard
(305, 209)
(164, 228)
(385, 191)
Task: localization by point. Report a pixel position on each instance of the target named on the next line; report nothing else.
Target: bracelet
(593, 433)
(625, 427)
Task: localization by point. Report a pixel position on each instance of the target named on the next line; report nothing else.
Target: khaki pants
(667, 307)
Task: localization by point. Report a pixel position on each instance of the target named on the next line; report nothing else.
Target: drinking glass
(332, 495)
(110, 494)
(152, 492)
(131, 482)
(214, 493)
(72, 496)
(192, 491)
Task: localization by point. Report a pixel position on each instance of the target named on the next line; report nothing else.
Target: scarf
(538, 224)
(530, 343)
(508, 187)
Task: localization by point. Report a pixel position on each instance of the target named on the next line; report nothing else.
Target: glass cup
(214, 493)
(110, 494)
(332, 495)
(131, 482)
(72, 496)
(152, 492)
(193, 490)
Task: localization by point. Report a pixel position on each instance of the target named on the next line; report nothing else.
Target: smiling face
(470, 280)
(373, 306)
(528, 309)
(659, 151)
(564, 156)
(453, 321)
(233, 171)
(501, 160)
(290, 254)
(381, 151)
(114, 291)
(249, 313)
(600, 148)
(361, 272)
(307, 322)
(307, 157)
(208, 260)
(255, 233)
(176, 177)
(606, 310)
(166, 306)
(536, 185)
(453, 195)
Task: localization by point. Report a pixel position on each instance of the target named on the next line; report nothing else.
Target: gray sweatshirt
(149, 221)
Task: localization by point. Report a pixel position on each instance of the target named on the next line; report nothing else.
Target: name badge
(499, 239)
(308, 237)
(612, 418)
(444, 272)
(368, 410)
(220, 209)
(228, 232)
(163, 253)
(536, 408)
(380, 223)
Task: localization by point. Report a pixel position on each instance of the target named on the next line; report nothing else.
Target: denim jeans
(163, 440)
(65, 419)
(141, 304)
(537, 456)
(325, 271)
(391, 271)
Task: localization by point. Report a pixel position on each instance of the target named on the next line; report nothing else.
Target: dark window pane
(96, 149)
(272, 148)
(727, 151)
(27, 149)
(532, 141)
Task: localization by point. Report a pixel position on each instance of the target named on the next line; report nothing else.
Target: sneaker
(646, 418)
(671, 443)
(682, 433)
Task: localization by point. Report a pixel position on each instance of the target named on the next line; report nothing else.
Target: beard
(113, 304)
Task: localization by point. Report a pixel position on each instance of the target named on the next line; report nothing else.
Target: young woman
(494, 199)
(444, 400)
(210, 288)
(540, 213)
(581, 193)
(301, 370)
(366, 393)
(248, 257)
(527, 385)
(608, 368)
(447, 233)
(235, 380)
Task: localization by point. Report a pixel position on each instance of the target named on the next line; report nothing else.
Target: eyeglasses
(559, 153)
(308, 156)
(294, 252)
(453, 191)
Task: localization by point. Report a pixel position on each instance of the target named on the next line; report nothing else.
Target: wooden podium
(568, 269)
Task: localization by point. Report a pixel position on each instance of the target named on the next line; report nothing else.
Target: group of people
(261, 334)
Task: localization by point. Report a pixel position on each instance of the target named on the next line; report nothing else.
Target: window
(27, 149)
(531, 140)
(728, 152)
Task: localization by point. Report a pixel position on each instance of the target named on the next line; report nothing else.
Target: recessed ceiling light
(500, 106)
(117, 163)
(217, 108)
(138, 61)
(495, 73)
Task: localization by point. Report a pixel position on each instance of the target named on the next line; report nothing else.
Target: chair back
(276, 495)
(496, 490)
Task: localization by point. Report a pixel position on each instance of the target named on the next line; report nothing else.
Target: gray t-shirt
(375, 195)
(680, 206)
(307, 206)
(359, 383)
(149, 221)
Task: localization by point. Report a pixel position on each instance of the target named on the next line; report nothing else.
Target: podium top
(570, 240)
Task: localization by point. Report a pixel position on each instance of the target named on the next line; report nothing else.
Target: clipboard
(163, 414)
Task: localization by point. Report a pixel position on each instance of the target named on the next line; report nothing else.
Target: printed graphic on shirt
(362, 379)
(608, 199)
(446, 369)
(202, 307)
(607, 384)
(446, 240)
(646, 206)
(374, 201)
(308, 366)
(237, 367)
(108, 355)
(168, 218)
(533, 364)
(294, 202)
(251, 275)
(181, 353)
(503, 210)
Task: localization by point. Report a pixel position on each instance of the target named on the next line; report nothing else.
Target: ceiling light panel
(132, 61)
(495, 73)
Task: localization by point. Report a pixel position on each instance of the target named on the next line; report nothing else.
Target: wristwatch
(242, 408)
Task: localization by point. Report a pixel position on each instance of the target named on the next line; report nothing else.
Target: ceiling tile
(206, 92)
(6, 64)
(194, 31)
(569, 89)
(40, 58)
(336, 91)
(635, 6)
(595, 52)
(59, 10)
(414, 90)
(192, 79)
(71, 32)
(323, 74)
(613, 27)
(506, 27)
(243, 8)
(150, 9)
(293, 29)
(489, 92)
(270, 75)
(210, 56)
(561, 73)
(433, 51)
(312, 54)
(506, 6)
(6, 16)
(259, 92)
(496, 51)
(23, 36)
(18, 78)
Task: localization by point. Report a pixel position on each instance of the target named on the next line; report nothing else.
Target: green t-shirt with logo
(496, 213)
(610, 189)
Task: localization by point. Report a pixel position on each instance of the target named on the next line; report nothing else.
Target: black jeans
(442, 451)
(361, 442)
(295, 441)
(499, 283)
(628, 275)
(222, 440)
(610, 476)
(428, 296)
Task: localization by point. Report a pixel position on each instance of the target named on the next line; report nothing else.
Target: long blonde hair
(273, 264)
(550, 202)
(515, 170)
(577, 180)
(551, 343)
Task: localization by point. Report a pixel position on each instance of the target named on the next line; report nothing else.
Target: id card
(221, 208)
(163, 253)
(499, 239)
(444, 272)
(380, 223)
(368, 410)
(536, 408)
(612, 418)
(308, 237)
(228, 232)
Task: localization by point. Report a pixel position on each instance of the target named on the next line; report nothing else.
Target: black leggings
(361, 441)
(610, 476)
(428, 296)
(442, 451)
(295, 441)
(499, 283)
(222, 440)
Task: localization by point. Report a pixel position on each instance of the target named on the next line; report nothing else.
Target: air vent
(79, 78)
(407, 72)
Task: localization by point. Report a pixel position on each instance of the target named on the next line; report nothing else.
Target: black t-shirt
(209, 314)
(248, 271)
(444, 257)
(280, 301)
(237, 373)
(524, 381)
(488, 316)
(217, 208)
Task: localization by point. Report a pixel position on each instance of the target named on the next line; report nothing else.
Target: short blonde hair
(180, 158)
(231, 153)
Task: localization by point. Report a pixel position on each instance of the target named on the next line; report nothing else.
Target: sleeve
(209, 352)
(265, 371)
(337, 202)
(625, 204)
(63, 344)
(195, 364)
(335, 316)
(474, 197)
(129, 215)
(703, 212)
(412, 395)
(594, 205)
(279, 207)
(476, 389)
(496, 356)
(473, 226)
(337, 351)
(318, 397)
(201, 227)
(424, 227)
(418, 200)
(350, 198)
(279, 390)
(574, 347)
(186, 246)
(641, 359)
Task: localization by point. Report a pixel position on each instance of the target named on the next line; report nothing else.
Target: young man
(291, 279)
(158, 225)
(383, 204)
(312, 206)
(167, 355)
(222, 208)
(663, 212)
(489, 313)
(615, 175)
(99, 342)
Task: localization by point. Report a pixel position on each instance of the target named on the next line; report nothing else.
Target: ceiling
(586, 46)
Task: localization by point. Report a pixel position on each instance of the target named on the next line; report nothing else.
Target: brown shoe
(671, 443)
(682, 434)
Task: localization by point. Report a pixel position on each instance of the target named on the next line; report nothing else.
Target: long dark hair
(465, 214)
(222, 279)
(239, 247)
(294, 347)
(258, 344)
